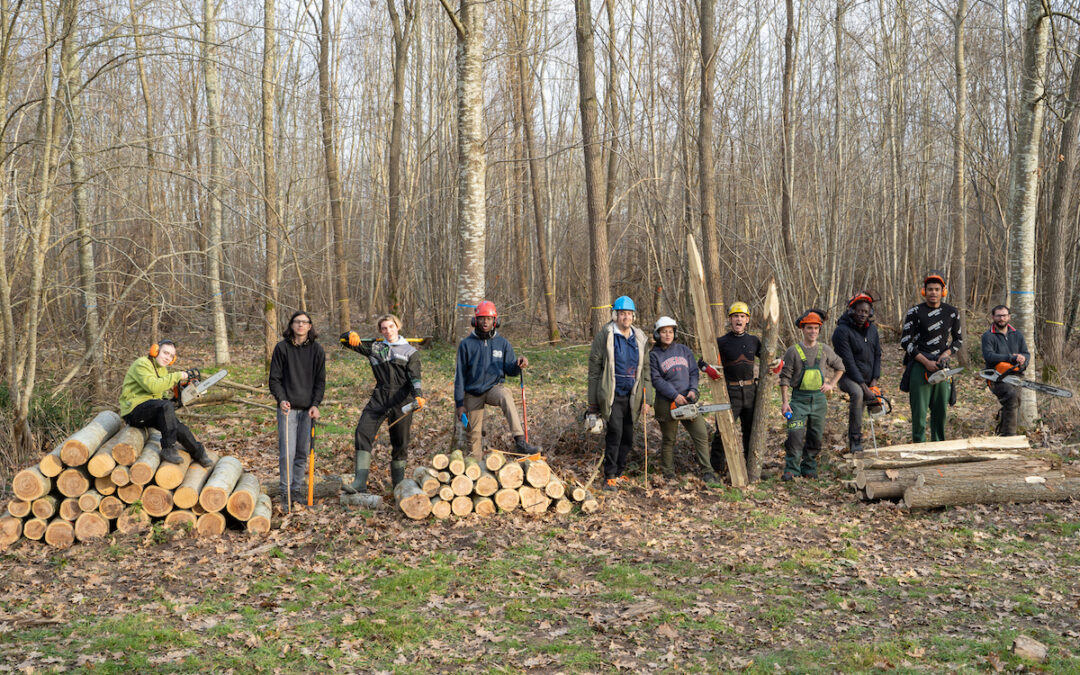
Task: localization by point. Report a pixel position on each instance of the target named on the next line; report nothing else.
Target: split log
(578, 493)
(487, 484)
(326, 487)
(994, 467)
(533, 500)
(19, 508)
(537, 472)
(45, 507)
(457, 463)
(472, 467)
(105, 486)
(507, 499)
(130, 493)
(911, 459)
(260, 518)
(91, 525)
(427, 479)
(11, 528)
(187, 494)
(135, 519)
(412, 500)
(157, 501)
(34, 528)
(220, 484)
(244, 497)
(556, 489)
(51, 465)
(169, 475)
(120, 475)
(563, 506)
(74, 481)
(127, 445)
(461, 505)
(69, 509)
(992, 491)
(483, 506)
(362, 499)
(440, 461)
(84, 442)
(511, 476)
(444, 477)
(954, 445)
(111, 507)
(462, 485)
(90, 500)
(60, 533)
(210, 524)
(30, 484)
(144, 468)
(182, 519)
(446, 493)
(494, 461)
(440, 508)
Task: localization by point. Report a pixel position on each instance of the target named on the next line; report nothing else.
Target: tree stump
(157, 501)
(487, 484)
(91, 525)
(30, 484)
(169, 475)
(210, 524)
(244, 497)
(73, 482)
(412, 500)
(461, 505)
(77, 449)
(130, 493)
(34, 528)
(45, 507)
(60, 533)
(134, 519)
(537, 473)
(220, 484)
(260, 518)
(507, 499)
(511, 475)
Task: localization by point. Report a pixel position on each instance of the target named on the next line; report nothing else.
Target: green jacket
(602, 371)
(146, 380)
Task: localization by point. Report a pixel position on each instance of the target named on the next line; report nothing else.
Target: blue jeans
(294, 442)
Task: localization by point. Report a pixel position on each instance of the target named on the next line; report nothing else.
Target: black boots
(200, 457)
(397, 472)
(524, 447)
(855, 443)
(170, 455)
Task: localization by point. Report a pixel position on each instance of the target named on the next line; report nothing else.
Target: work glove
(776, 366)
(421, 401)
(709, 370)
(193, 374)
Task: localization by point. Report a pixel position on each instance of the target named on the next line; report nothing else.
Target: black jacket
(298, 373)
(859, 347)
(396, 367)
(998, 347)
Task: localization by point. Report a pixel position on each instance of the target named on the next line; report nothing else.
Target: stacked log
(458, 485)
(108, 477)
(980, 470)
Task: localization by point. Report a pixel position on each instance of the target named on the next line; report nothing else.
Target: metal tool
(197, 388)
(1013, 378)
(943, 374)
(690, 411)
(311, 468)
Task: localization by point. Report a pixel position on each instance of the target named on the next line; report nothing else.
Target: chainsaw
(879, 406)
(196, 387)
(690, 411)
(943, 373)
(1010, 374)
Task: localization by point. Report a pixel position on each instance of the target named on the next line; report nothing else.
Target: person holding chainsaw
(674, 374)
(484, 359)
(737, 349)
(148, 400)
(618, 375)
(855, 340)
(931, 335)
(1004, 349)
(803, 375)
(297, 382)
(398, 392)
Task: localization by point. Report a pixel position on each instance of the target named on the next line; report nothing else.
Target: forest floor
(778, 577)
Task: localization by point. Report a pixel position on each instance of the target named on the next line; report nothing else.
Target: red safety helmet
(485, 308)
(861, 296)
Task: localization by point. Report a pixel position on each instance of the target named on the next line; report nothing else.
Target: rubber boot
(667, 461)
(170, 455)
(362, 464)
(855, 443)
(397, 472)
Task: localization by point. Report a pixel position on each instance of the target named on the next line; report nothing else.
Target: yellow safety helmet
(738, 308)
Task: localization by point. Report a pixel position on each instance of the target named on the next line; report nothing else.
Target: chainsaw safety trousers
(804, 432)
(368, 426)
(474, 409)
(294, 443)
(1009, 398)
(161, 415)
(669, 429)
(925, 396)
(856, 403)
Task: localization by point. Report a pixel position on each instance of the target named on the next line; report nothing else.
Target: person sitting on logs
(855, 340)
(148, 399)
(1003, 344)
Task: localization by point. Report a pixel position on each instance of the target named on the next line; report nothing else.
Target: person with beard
(1002, 343)
(931, 335)
(738, 349)
(855, 340)
(484, 359)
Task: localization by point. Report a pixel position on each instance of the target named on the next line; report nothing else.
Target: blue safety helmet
(623, 302)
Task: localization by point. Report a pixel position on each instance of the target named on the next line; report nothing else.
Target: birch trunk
(333, 174)
(958, 282)
(270, 189)
(212, 86)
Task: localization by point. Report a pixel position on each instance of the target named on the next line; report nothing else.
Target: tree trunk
(106, 486)
(212, 86)
(69, 509)
(706, 164)
(151, 167)
(33, 528)
(45, 507)
(533, 500)
(90, 500)
(118, 476)
(10, 530)
(787, 163)
(770, 316)
(169, 475)
(79, 446)
(110, 507)
(328, 116)
(959, 295)
(399, 277)
(412, 500)
(220, 484)
(272, 220)
(127, 445)
(992, 491)
(18, 508)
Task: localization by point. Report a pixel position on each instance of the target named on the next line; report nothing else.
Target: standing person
(855, 340)
(618, 375)
(146, 401)
(738, 349)
(802, 373)
(297, 382)
(1003, 344)
(484, 359)
(396, 366)
(930, 337)
(674, 375)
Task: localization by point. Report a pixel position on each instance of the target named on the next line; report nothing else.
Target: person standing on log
(484, 359)
(931, 335)
(805, 407)
(147, 401)
(738, 349)
(1003, 344)
(297, 382)
(396, 366)
(674, 375)
(855, 340)
(618, 376)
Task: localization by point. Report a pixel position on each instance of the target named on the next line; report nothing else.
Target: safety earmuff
(472, 322)
(155, 349)
(944, 292)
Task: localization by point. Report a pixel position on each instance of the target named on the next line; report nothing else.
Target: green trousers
(669, 428)
(925, 396)
(804, 431)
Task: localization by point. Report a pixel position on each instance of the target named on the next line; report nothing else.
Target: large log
(457, 463)
(511, 475)
(440, 461)
(556, 489)
(244, 497)
(19, 508)
(34, 528)
(11, 528)
(326, 487)
(73, 481)
(462, 485)
(60, 533)
(186, 494)
(487, 484)
(127, 445)
(992, 491)
(45, 507)
(260, 518)
(210, 524)
(483, 506)
(537, 472)
(533, 500)
(994, 467)
(130, 493)
(441, 508)
(111, 507)
(144, 468)
(362, 499)
(90, 500)
(106, 486)
(51, 464)
(461, 505)
(157, 501)
(101, 463)
(69, 509)
(563, 506)
(121, 475)
(91, 525)
(180, 519)
(169, 475)
(953, 445)
(412, 500)
(220, 484)
(134, 519)
(30, 484)
(79, 446)
(507, 499)
(494, 460)
(472, 467)
(427, 479)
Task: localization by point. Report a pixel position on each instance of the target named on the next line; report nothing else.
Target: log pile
(980, 470)
(457, 485)
(108, 477)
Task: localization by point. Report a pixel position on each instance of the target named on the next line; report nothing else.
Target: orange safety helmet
(812, 316)
(485, 308)
(860, 296)
(938, 277)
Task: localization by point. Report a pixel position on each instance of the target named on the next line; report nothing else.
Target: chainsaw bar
(692, 410)
(942, 375)
(197, 389)
(992, 375)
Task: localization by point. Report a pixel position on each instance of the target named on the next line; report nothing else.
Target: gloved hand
(709, 370)
(776, 366)
(421, 401)
(193, 374)
(354, 339)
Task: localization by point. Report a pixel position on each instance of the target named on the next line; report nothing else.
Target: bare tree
(212, 85)
(395, 226)
(706, 168)
(333, 175)
(272, 221)
(787, 167)
(959, 273)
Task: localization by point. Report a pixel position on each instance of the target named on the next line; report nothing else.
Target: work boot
(397, 472)
(611, 485)
(358, 485)
(524, 447)
(710, 478)
(855, 443)
(170, 455)
(787, 476)
(667, 461)
(199, 455)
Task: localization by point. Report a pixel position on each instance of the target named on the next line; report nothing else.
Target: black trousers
(370, 420)
(161, 415)
(1009, 398)
(619, 438)
(742, 411)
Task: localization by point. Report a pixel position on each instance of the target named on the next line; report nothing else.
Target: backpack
(811, 378)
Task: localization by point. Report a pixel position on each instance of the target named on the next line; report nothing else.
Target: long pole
(311, 468)
(524, 408)
(288, 462)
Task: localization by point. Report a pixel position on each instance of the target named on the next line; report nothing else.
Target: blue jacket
(674, 370)
(482, 364)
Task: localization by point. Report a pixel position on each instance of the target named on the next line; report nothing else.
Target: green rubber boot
(363, 464)
(397, 472)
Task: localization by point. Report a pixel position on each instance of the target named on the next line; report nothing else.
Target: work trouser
(923, 396)
(804, 432)
(294, 444)
(856, 402)
(742, 400)
(618, 437)
(157, 413)
(669, 429)
(368, 427)
(474, 409)
(1009, 398)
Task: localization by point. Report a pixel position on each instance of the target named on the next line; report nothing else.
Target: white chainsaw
(197, 388)
(690, 411)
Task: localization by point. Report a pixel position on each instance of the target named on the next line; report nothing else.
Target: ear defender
(155, 349)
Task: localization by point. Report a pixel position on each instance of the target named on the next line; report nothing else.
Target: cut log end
(60, 533)
(412, 500)
(210, 524)
(91, 525)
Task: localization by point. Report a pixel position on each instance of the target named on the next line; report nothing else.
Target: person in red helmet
(858, 345)
(484, 359)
